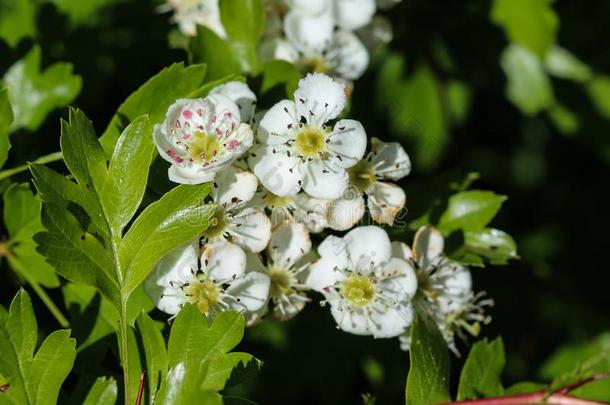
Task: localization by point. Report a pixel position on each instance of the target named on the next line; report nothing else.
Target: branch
(540, 397)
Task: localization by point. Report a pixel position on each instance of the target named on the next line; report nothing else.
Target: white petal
(428, 245)
(308, 33)
(233, 187)
(279, 48)
(354, 14)
(189, 174)
(398, 279)
(345, 212)
(176, 267)
(223, 106)
(393, 321)
(348, 140)
(355, 322)
(241, 94)
(401, 250)
(385, 200)
(322, 274)
(405, 340)
(319, 98)
(324, 181)
(277, 172)
(350, 54)
(309, 6)
(288, 244)
(311, 211)
(250, 228)
(251, 290)
(222, 261)
(390, 160)
(279, 124)
(169, 300)
(367, 244)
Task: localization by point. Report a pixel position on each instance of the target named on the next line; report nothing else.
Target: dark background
(556, 184)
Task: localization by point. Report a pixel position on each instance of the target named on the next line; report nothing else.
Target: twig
(141, 388)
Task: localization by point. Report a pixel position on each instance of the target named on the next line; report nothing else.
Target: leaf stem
(124, 349)
(53, 157)
(540, 397)
(17, 266)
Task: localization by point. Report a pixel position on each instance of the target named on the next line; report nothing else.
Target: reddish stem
(141, 388)
(595, 377)
(540, 397)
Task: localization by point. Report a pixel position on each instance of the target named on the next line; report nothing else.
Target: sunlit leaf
(481, 374)
(17, 20)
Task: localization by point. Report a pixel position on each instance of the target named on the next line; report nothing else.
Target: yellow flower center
(276, 201)
(358, 290)
(203, 146)
(310, 142)
(202, 293)
(314, 64)
(361, 175)
(281, 282)
(217, 224)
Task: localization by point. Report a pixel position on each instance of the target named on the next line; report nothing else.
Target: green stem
(53, 157)
(19, 269)
(124, 348)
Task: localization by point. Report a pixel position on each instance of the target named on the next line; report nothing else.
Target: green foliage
(598, 89)
(470, 210)
(34, 378)
(54, 87)
(428, 379)
(103, 392)
(6, 118)
(17, 20)
(530, 23)
(243, 21)
(82, 12)
(493, 245)
(280, 72)
(480, 376)
(561, 63)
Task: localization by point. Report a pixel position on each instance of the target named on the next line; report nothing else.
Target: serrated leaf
(34, 94)
(528, 86)
(530, 23)
(470, 211)
(103, 392)
(230, 369)
(34, 378)
(480, 376)
(428, 379)
(153, 98)
(17, 20)
(6, 118)
(176, 218)
(155, 355)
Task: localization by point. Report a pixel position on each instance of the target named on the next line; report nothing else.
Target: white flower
(188, 14)
(386, 161)
(241, 94)
(233, 220)
(445, 287)
(354, 14)
(284, 265)
(215, 282)
(201, 137)
(369, 291)
(297, 150)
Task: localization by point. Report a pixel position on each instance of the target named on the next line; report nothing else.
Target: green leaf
(153, 98)
(561, 63)
(83, 12)
(480, 376)
(53, 88)
(230, 369)
(524, 387)
(17, 20)
(276, 72)
(598, 89)
(428, 379)
(530, 23)
(34, 378)
(495, 245)
(565, 120)
(180, 387)
(103, 392)
(243, 20)
(6, 118)
(470, 211)
(528, 86)
(219, 56)
(173, 220)
(155, 355)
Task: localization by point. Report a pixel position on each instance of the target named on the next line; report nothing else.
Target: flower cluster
(326, 36)
(297, 171)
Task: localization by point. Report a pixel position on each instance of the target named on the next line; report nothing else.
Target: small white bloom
(201, 137)
(386, 161)
(284, 265)
(298, 151)
(354, 14)
(233, 220)
(369, 291)
(188, 14)
(241, 94)
(445, 286)
(215, 282)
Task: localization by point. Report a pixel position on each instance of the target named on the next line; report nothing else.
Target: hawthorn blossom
(297, 150)
(214, 281)
(445, 287)
(188, 14)
(233, 220)
(386, 161)
(368, 290)
(242, 95)
(286, 260)
(201, 137)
